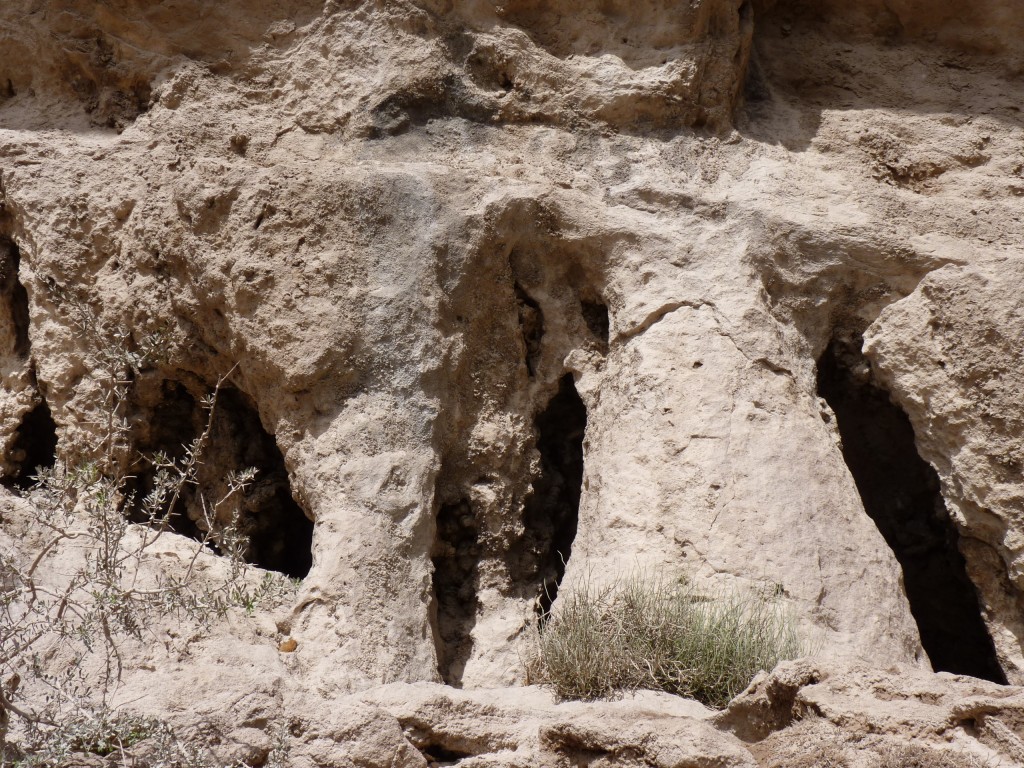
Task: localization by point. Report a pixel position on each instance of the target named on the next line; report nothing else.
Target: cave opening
(279, 534)
(34, 446)
(902, 495)
(440, 755)
(551, 511)
(166, 428)
(456, 559)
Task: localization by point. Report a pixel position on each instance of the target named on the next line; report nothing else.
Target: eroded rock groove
(531, 321)
(15, 295)
(551, 513)
(901, 493)
(456, 559)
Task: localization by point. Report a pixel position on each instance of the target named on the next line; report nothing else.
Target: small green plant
(85, 732)
(644, 633)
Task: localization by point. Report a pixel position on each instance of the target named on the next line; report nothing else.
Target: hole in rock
(279, 533)
(901, 493)
(595, 315)
(456, 558)
(551, 512)
(531, 321)
(428, 98)
(171, 425)
(34, 446)
(438, 755)
(756, 89)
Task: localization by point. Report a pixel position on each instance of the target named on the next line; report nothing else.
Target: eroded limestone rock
(444, 251)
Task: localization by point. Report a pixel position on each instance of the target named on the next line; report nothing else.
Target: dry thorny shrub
(88, 588)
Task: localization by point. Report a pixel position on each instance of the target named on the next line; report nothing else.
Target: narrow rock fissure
(278, 531)
(531, 321)
(901, 493)
(17, 297)
(551, 513)
(456, 559)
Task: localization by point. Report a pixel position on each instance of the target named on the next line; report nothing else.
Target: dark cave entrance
(456, 561)
(35, 446)
(165, 428)
(279, 534)
(35, 442)
(12, 288)
(551, 512)
(901, 493)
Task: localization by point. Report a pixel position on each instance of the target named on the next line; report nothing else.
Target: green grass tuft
(643, 633)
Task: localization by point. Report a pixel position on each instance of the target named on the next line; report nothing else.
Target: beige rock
(802, 712)
(991, 27)
(491, 282)
(523, 726)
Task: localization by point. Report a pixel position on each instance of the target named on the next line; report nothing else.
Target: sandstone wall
(401, 226)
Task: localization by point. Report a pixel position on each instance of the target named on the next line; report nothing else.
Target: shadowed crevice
(16, 296)
(595, 315)
(35, 442)
(901, 493)
(531, 323)
(551, 512)
(437, 754)
(456, 559)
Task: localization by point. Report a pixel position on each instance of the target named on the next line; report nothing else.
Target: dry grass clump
(915, 756)
(643, 633)
(826, 757)
(889, 756)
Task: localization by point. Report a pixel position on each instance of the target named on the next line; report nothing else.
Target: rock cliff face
(516, 295)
